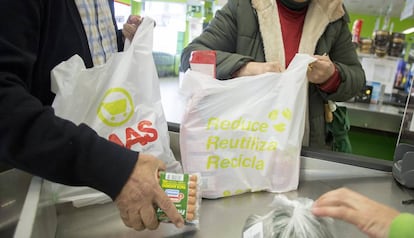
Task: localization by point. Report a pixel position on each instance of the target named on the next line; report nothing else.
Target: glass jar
(396, 44)
(366, 46)
(381, 42)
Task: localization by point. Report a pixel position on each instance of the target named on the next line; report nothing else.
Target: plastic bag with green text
(245, 134)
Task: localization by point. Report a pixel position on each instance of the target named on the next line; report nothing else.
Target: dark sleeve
(32, 138)
(345, 57)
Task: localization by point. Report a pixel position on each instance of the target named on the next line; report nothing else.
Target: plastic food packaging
(204, 61)
(289, 218)
(185, 192)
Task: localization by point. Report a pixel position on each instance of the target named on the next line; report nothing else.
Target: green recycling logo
(116, 107)
(273, 115)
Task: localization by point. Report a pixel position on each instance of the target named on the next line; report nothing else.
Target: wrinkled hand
(131, 26)
(142, 194)
(320, 70)
(256, 68)
(372, 218)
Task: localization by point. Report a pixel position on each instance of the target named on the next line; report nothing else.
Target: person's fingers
(323, 57)
(357, 209)
(135, 220)
(329, 201)
(274, 67)
(129, 30)
(279, 68)
(148, 217)
(134, 19)
(165, 204)
(310, 67)
(339, 212)
(161, 166)
(337, 198)
(319, 73)
(126, 219)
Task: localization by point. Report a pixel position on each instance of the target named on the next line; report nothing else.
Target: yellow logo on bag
(116, 107)
(273, 115)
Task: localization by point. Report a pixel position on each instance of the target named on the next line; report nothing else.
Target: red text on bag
(143, 134)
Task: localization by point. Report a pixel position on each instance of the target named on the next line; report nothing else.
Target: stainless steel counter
(13, 189)
(321, 171)
(379, 117)
(223, 217)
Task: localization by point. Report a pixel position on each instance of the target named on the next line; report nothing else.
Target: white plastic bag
(245, 134)
(120, 100)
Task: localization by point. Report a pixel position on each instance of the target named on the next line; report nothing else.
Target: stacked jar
(365, 46)
(381, 42)
(396, 44)
(388, 44)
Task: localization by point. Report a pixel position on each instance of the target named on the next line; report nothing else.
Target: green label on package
(176, 186)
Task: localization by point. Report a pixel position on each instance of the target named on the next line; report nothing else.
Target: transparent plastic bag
(289, 219)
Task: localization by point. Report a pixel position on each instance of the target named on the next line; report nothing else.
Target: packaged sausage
(184, 190)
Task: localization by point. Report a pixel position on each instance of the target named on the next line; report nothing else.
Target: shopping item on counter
(120, 100)
(245, 134)
(184, 190)
(287, 219)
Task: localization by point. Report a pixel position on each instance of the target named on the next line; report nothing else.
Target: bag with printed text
(245, 134)
(120, 100)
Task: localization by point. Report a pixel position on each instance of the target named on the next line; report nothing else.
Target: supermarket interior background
(380, 118)
(384, 97)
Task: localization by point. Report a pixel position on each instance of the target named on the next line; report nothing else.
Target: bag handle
(146, 24)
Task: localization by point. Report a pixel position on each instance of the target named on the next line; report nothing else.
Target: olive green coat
(249, 30)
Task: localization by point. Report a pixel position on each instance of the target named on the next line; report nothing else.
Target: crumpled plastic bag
(289, 219)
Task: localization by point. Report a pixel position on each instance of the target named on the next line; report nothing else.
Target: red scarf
(291, 23)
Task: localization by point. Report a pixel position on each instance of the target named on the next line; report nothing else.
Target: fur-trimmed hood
(320, 14)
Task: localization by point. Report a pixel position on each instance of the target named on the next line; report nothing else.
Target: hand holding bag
(245, 134)
(120, 100)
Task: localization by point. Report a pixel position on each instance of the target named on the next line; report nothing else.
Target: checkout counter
(37, 215)
(366, 115)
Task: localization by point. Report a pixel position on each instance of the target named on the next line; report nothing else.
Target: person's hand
(131, 26)
(371, 217)
(320, 70)
(256, 68)
(142, 194)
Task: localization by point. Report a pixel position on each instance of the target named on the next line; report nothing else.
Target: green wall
(369, 24)
(374, 143)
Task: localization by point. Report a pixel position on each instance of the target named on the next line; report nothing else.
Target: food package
(184, 190)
